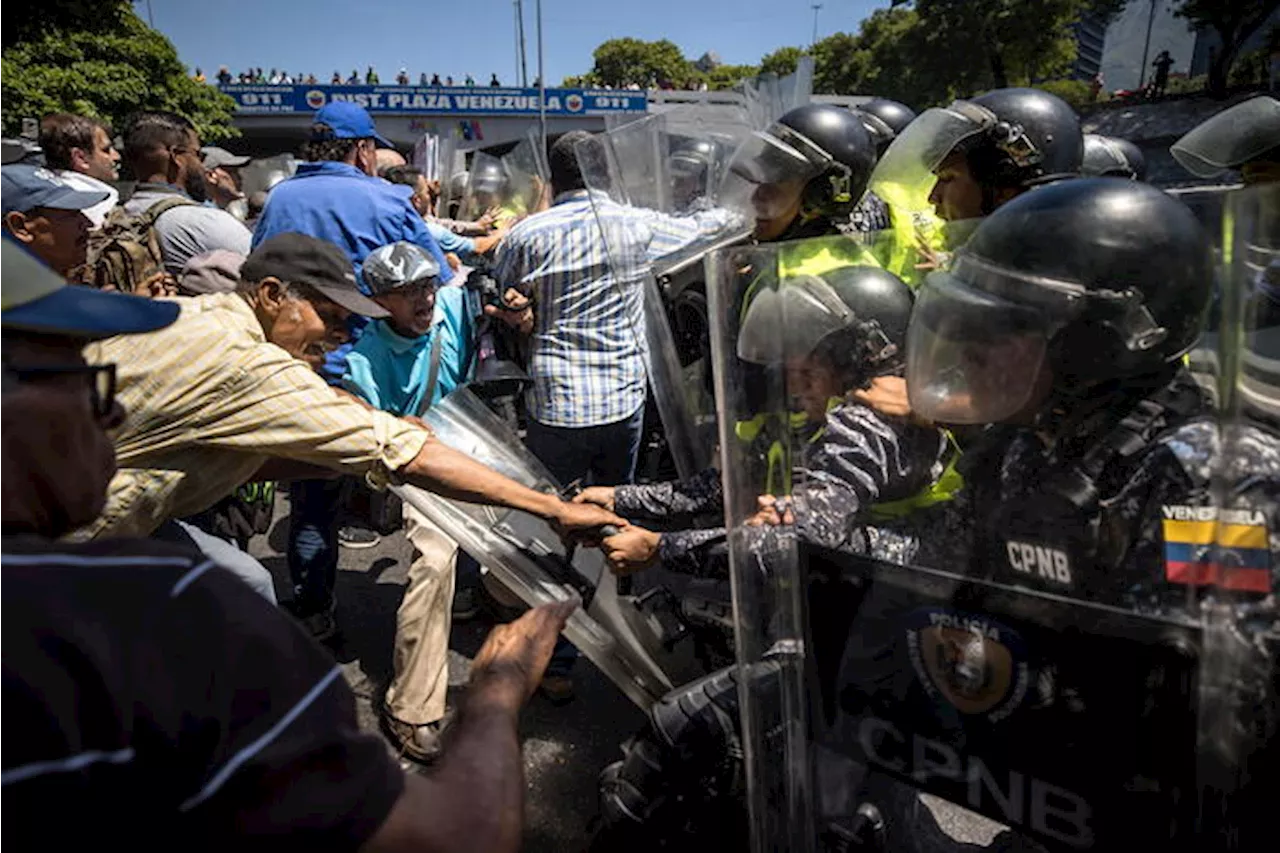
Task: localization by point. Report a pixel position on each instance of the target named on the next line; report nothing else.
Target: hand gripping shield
(633, 639)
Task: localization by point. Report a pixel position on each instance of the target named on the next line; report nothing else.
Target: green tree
(991, 44)
(1235, 22)
(627, 61)
(726, 76)
(782, 61)
(99, 59)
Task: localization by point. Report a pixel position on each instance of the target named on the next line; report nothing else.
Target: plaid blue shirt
(586, 270)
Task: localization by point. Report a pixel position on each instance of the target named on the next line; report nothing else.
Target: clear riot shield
(634, 640)
(768, 97)
(889, 660)
(513, 184)
(1239, 757)
(647, 239)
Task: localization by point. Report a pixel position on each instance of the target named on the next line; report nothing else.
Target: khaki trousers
(421, 682)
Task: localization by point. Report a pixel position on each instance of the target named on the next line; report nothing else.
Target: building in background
(1128, 50)
(1091, 38)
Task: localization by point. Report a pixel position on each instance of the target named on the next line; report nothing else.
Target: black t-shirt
(155, 699)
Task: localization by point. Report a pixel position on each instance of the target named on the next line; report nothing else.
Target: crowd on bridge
(172, 352)
(281, 77)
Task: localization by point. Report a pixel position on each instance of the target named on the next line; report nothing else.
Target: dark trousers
(313, 542)
(603, 455)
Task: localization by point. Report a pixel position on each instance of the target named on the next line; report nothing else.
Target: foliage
(100, 60)
(1235, 21)
(1077, 93)
(627, 61)
(782, 61)
(726, 76)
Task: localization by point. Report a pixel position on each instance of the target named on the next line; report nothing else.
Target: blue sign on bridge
(478, 101)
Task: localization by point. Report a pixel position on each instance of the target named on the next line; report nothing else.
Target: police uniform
(859, 458)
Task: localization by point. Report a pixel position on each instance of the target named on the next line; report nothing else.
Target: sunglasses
(99, 378)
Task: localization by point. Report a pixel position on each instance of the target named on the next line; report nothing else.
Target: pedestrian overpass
(275, 119)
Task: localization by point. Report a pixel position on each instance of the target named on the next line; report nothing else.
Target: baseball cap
(301, 259)
(36, 299)
(26, 187)
(217, 271)
(350, 121)
(397, 264)
(212, 157)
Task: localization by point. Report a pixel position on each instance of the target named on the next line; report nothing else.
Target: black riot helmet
(1035, 138)
(1112, 157)
(852, 318)
(826, 145)
(1096, 279)
(884, 120)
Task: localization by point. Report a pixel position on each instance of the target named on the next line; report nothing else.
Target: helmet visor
(972, 357)
(1231, 138)
(788, 322)
(778, 156)
(911, 158)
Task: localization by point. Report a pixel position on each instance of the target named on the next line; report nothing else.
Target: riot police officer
(1112, 157)
(831, 333)
(694, 164)
(840, 332)
(981, 152)
(1064, 320)
(810, 169)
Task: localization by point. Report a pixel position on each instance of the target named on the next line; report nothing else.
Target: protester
(469, 81)
(494, 81)
(212, 401)
(1162, 63)
(336, 80)
(224, 76)
(163, 152)
(354, 79)
(402, 364)
(213, 272)
(371, 77)
(402, 78)
(435, 80)
(587, 345)
(387, 158)
(80, 152)
(127, 662)
(466, 248)
(46, 215)
(222, 175)
(198, 76)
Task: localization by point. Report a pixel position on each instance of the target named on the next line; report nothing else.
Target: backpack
(125, 252)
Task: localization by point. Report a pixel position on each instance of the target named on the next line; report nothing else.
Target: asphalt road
(565, 747)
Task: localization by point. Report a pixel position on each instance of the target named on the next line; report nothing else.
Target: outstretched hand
(511, 663)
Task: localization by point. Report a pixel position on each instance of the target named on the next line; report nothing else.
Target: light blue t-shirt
(390, 371)
(463, 247)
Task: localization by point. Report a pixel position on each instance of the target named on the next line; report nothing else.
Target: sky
(477, 36)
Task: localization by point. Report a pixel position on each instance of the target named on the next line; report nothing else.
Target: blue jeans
(604, 455)
(313, 542)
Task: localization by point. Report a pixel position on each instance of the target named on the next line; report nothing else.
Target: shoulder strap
(149, 216)
(1174, 402)
(433, 373)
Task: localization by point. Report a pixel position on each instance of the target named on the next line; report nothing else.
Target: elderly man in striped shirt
(583, 263)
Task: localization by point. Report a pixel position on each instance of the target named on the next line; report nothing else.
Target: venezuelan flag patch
(1229, 549)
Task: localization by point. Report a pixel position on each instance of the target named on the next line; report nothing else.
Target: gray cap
(211, 272)
(212, 157)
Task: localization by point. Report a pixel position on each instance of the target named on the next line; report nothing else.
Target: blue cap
(350, 121)
(37, 299)
(26, 187)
